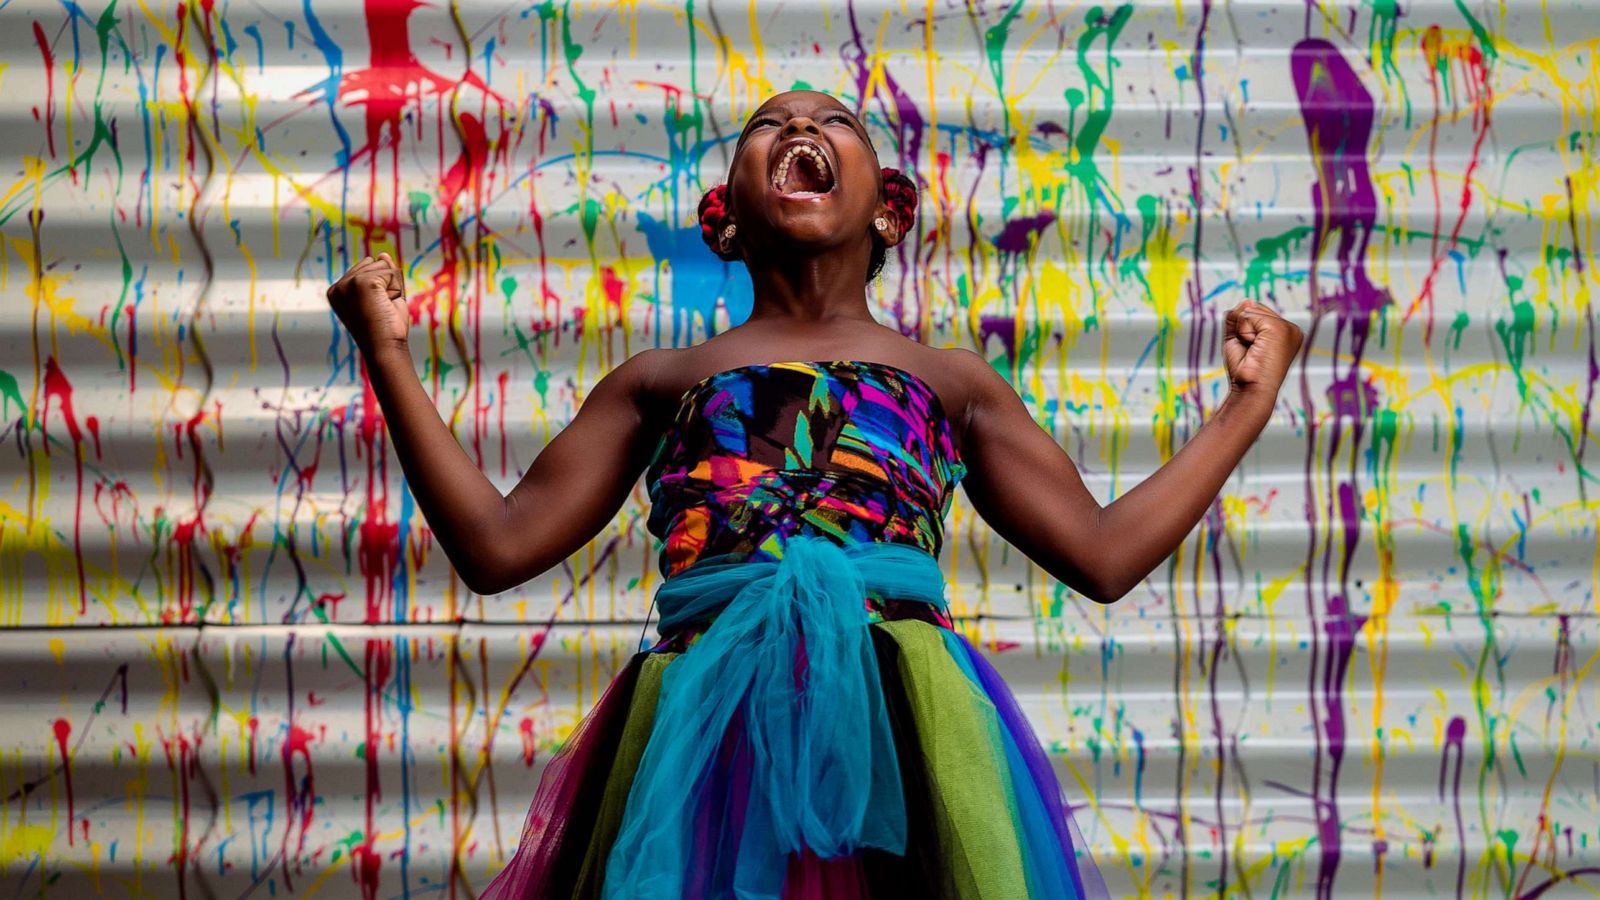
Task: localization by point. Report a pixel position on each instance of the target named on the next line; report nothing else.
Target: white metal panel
(1369, 671)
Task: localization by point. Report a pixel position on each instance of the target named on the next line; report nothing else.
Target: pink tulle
(811, 878)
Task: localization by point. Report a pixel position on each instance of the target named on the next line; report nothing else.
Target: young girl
(809, 725)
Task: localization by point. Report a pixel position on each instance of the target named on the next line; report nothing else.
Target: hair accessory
(900, 193)
(714, 219)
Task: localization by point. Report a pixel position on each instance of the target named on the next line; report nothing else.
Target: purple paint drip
(1338, 112)
(1002, 327)
(1455, 742)
(909, 127)
(1019, 234)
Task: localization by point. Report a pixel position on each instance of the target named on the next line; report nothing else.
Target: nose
(801, 125)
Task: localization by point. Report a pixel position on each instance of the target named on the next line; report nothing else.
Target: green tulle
(635, 735)
(959, 735)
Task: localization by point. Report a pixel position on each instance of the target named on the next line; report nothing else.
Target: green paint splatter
(1458, 327)
(1485, 41)
(1097, 103)
(9, 392)
(1272, 252)
(1381, 34)
(1515, 336)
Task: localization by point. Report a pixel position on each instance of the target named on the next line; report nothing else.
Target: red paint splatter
(1481, 94)
(501, 382)
(614, 288)
(255, 728)
(49, 87)
(59, 388)
(330, 603)
(183, 763)
(183, 539)
(1262, 504)
(56, 385)
(365, 867)
(63, 730)
(529, 750)
(379, 550)
(300, 800)
(366, 861)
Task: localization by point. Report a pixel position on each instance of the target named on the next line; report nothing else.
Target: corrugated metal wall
(235, 664)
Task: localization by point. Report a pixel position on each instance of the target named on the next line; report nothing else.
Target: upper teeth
(789, 158)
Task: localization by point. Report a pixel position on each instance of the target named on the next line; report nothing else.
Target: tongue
(804, 175)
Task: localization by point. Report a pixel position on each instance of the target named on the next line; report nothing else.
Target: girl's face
(804, 173)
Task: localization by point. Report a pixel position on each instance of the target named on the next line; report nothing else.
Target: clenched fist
(370, 300)
(1258, 346)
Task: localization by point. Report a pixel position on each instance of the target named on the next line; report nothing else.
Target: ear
(890, 234)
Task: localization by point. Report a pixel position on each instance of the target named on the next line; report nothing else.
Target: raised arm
(568, 494)
(1029, 491)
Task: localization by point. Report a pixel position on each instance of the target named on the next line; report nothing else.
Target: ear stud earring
(727, 233)
(880, 223)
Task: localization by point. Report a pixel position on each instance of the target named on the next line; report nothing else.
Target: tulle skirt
(985, 814)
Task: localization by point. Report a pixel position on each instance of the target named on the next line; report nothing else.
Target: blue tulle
(827, 778)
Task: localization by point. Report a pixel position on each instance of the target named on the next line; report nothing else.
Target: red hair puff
(713, 217)
(900, 193)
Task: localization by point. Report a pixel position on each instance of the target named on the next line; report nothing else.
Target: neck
(810, 287)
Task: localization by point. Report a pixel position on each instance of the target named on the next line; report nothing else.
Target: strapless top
(849, 450)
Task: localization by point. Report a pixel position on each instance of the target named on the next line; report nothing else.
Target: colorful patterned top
(847, 449)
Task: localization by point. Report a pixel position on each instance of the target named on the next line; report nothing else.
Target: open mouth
(802, 172)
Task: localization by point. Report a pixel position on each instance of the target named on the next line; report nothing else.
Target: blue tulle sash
(788, 656)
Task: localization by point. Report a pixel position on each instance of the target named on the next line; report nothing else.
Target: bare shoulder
(669, 372)
(630, 383)
(658, 377)
(966, 382)
(637, 373)
(967, 366)
(663, 367)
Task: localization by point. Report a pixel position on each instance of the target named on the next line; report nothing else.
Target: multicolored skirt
(691, 778)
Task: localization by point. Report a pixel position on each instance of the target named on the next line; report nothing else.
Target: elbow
(483, 562)
(1103, 590)
(1110, 584)
(481, 582)
(485, 572)
(1107, 593)
(494, 574)
(1107, 596)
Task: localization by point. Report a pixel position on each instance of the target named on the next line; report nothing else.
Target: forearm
(461, 506)
(1144, 526)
